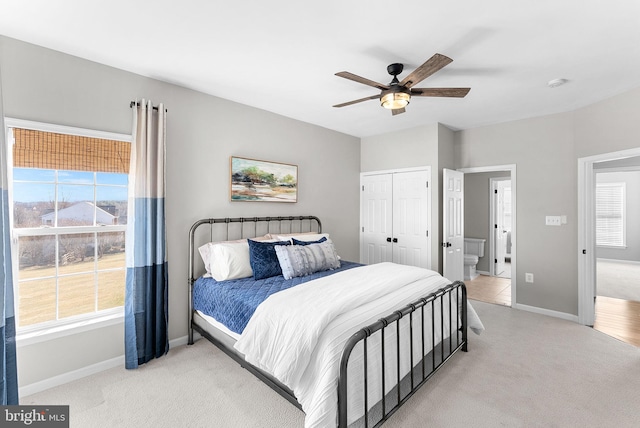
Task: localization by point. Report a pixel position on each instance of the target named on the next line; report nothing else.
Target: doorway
(609, 239)
(492, 216)
(500, 215)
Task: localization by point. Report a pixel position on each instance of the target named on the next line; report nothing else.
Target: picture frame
(252, 180)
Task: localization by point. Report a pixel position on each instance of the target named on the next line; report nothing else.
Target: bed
(346, 343)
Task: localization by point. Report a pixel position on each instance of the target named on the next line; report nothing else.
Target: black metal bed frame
(406, 385)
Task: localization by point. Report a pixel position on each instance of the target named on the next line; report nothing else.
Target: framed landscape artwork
(262, 181)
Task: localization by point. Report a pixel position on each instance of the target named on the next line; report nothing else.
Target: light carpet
(525, 370)
(619, 280)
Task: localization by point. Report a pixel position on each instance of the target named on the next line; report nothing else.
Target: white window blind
(610, 214)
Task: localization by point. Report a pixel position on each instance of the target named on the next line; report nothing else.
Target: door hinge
(363, 228)
(495, 226)
(363, 187)
(495, 260)
(584, 251)
(427, 233)
(495, 191)
(427, 183)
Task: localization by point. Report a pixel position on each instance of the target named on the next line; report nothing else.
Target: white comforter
(298, 334)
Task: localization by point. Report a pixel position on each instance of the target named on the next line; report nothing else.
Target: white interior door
(376, 218)
(499, 226)
(411, 218)
(453, 224)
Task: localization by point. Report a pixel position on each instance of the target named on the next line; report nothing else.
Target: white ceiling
(281, 55)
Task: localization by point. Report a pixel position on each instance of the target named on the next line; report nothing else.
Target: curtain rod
(135, 103)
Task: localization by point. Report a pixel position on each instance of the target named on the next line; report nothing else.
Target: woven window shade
(48, 150)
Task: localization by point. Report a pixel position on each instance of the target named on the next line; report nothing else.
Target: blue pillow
(263, 259)
(298, 242)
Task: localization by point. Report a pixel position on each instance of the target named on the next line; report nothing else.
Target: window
(610, 214)
(69, 199)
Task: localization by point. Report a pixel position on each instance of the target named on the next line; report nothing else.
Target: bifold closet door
(410, 218)
(395, 218)
(376, 210)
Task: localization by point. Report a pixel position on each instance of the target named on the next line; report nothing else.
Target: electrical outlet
(528, 277)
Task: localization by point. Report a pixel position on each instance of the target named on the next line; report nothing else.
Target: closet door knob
(395, 239)
(388, 239)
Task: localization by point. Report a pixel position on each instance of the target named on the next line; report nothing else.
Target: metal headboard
(224, 229)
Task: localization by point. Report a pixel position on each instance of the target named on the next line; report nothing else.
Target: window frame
(45, 329)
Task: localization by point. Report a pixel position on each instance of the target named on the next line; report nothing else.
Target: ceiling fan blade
(398, 111)
(362, 80)
(372, 97)
(432, 65)
(440, 92)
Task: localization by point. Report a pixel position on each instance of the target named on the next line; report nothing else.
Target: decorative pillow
(301, 260)
(263, 258)
(299, 242)
(230, 260)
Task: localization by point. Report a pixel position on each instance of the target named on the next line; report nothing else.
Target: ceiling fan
(396, 95)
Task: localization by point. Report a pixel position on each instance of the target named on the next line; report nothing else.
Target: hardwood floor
(615, 317)
(618, 318)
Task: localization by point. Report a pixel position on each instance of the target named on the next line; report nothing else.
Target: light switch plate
(553, 220)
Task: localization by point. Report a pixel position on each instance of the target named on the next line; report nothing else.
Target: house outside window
(610, 215)
(69, 192)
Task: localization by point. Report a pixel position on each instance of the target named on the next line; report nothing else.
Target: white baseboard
(179, 341)
(70, 376)
(61, 379)
(548, 312)
(628, 262)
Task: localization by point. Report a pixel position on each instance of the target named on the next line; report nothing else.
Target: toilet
(473, 250)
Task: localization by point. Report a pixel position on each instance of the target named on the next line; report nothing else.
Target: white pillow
(205, 250)
(205, 253)
(230, 260)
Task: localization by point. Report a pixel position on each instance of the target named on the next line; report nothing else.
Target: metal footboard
(453, 295)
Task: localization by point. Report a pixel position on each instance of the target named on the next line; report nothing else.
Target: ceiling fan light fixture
(395, 100)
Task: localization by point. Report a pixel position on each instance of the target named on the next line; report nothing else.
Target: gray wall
(632, 250)
(202, 133)
(403, 149)
(545, 150)
(477, 198)
(542, 149)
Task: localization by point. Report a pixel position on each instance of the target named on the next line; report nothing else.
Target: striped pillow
(302, 260)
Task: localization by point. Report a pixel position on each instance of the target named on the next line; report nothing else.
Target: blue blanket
(233, 302)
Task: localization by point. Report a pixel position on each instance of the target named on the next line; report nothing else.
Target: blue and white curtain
(146, 313)
(9, 382)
